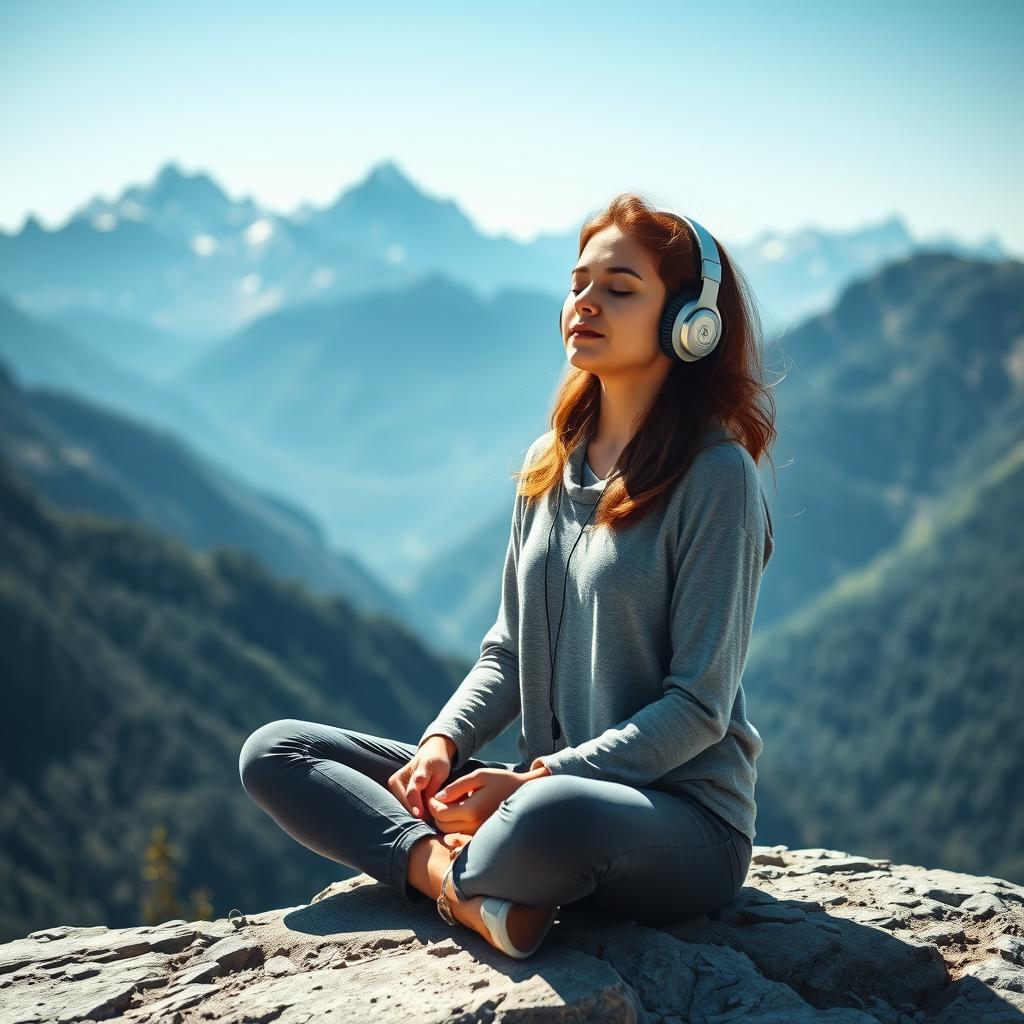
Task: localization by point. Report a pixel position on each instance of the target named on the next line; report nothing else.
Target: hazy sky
(746, 115)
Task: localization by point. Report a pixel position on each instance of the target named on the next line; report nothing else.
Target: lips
(586, 332)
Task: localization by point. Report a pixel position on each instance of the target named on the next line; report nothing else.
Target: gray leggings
(644, 854)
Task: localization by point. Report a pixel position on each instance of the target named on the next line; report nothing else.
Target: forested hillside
(133, 671)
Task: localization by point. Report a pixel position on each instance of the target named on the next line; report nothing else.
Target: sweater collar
(589, 494)
(572, 478)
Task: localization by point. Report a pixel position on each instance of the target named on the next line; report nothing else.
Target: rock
(1011, 948)
(982, 906)
(814, 935)
(234, 953)
(279, 966)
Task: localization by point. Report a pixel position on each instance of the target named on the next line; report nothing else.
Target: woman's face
(624, 307)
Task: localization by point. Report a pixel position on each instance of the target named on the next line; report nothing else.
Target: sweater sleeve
(714, 596)
(488, 699)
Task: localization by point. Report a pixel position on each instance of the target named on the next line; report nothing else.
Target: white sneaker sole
(494, 913)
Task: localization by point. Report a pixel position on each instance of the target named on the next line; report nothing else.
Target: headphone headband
(710, 265)
(692, 327)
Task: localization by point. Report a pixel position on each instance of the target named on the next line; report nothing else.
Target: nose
(583, 301)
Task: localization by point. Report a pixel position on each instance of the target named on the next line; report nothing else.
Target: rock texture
(814, 935)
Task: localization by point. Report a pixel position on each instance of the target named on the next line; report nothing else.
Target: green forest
(134, 669)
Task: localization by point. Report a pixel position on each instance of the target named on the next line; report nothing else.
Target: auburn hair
(725, 388)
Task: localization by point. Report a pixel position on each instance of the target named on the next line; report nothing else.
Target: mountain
(426, 390)
(143, 666)
(455, 595)
(389, 219)
(180, 256)
(903, 685)
(291, 396)
(177, 204)
(297, 404)
(39, 353)
(141, 349)
(882, 395)
(799, 273)
(43, 354)
(86, 458)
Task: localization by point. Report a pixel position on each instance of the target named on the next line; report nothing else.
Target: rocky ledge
(813, 935)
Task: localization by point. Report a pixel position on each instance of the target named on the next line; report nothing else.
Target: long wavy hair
(725, 388)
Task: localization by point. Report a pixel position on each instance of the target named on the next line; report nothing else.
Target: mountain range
(178, 254)
(208, 301)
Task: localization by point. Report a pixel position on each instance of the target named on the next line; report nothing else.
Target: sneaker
(517, 929)
(526, 924)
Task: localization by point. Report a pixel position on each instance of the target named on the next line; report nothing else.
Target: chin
(583, 359)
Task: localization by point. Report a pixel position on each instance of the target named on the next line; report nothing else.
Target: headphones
(691, 326)
(556, 728)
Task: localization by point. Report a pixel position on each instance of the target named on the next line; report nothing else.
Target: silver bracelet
(443, 907)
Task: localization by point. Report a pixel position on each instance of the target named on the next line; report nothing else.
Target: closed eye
(611, 290)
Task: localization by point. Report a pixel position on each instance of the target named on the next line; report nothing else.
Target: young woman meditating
(638, 538)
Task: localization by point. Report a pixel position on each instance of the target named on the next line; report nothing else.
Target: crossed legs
(643, 854)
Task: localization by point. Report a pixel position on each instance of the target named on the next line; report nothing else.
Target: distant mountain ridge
(215, 263)
(427, 389)
(179, 255)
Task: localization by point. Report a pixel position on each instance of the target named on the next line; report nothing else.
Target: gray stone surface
(814, 935)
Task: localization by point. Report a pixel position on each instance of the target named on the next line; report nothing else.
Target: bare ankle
(428, 861)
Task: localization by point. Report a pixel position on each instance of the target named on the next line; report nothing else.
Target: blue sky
(749, 116)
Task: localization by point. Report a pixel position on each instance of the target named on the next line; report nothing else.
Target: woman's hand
(421, 776)
(467, 802)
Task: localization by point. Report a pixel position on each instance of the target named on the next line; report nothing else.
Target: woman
(639, 535)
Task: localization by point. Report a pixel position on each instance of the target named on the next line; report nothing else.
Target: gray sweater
(656, 621)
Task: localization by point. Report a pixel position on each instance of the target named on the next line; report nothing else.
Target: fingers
(458, 788)
(397, 788)
(453, 817)
(415, 802)
(420, 779)
(414, 782)
(455, 840)
(404, 792)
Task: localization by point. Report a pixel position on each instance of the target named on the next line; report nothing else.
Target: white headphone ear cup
(677, 324)
(700, 332)
(683, 316)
